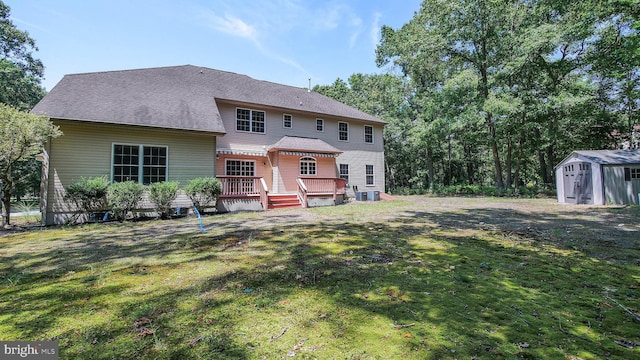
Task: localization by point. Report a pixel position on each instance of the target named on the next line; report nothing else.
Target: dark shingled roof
(611, 157)
(295, 143)
(178, 97)
(607, 157)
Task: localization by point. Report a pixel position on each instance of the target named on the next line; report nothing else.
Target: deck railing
(236, 186)
(240, 186)
(323, 186)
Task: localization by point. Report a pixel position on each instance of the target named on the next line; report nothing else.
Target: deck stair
(277, 201)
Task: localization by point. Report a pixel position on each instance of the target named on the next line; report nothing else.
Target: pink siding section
(356, 153)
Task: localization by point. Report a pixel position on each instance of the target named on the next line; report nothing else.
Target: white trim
(140, 159)
(290, 121)
(317, 119)
(339, 131)
(241, 161)
(241, 152)
(315, 168)
(373, 175)
(309, 154)
(251, 111)
(372, 135)
(340, 174)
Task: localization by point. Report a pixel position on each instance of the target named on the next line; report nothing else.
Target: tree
(20, 77)
(20, 72)
(22, 136)
(385, 96)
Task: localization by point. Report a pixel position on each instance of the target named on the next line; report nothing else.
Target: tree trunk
(519, 154)
(494, 149)
(468, 151)
(508, 161)
(551, 159)
(430, 170)
(6, 205)
(543, 166)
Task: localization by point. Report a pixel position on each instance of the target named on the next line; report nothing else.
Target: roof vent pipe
(309, 89)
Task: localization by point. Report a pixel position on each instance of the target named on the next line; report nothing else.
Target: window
(319, 125)
(368, 134)
(240, 168)
(369, 175)
(240, 185)
(631, 174)
(128, 167)
(307, 166)
(287, 121)
(343, 131)
(344, 172)
(250, 120)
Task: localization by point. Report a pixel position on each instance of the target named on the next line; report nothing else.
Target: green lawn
(416, 278)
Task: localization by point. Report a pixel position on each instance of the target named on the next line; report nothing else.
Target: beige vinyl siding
(84, 150)
(357, 161)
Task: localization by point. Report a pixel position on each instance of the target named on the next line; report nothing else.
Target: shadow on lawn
(446, 280)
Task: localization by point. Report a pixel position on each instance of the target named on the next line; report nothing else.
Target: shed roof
(177, 97)
(606, 157)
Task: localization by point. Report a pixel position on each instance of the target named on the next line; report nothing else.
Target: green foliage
(20, 72)
(529, 191)
(89, 194)
(203, 191)
(500, 92)
(124, 197)
(22, 136)
(439, 278)
(162, 195)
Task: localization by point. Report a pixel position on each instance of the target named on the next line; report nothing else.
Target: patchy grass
(417, 278)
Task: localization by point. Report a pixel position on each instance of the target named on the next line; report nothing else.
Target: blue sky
(284, 41)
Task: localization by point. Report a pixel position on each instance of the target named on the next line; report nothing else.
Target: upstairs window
(287, 121)
(307, 166)
(319, 125)
(139, 163)
(368, 134)
(250, 120)
(343, 131)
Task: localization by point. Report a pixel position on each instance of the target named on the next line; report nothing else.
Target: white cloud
(231, 25)
(375, 29)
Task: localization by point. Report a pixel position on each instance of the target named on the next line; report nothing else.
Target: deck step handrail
(302, 192)
(264, 194)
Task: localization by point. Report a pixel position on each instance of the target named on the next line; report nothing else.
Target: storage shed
(599, 177)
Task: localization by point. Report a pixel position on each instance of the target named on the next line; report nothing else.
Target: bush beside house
(94, 197)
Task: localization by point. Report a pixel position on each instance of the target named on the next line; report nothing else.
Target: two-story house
(269, 144)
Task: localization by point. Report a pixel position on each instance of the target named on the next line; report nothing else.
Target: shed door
(578, 187)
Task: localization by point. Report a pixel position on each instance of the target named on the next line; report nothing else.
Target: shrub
(89, 195)
(162, 195)
(203, 191)
(124, 197)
